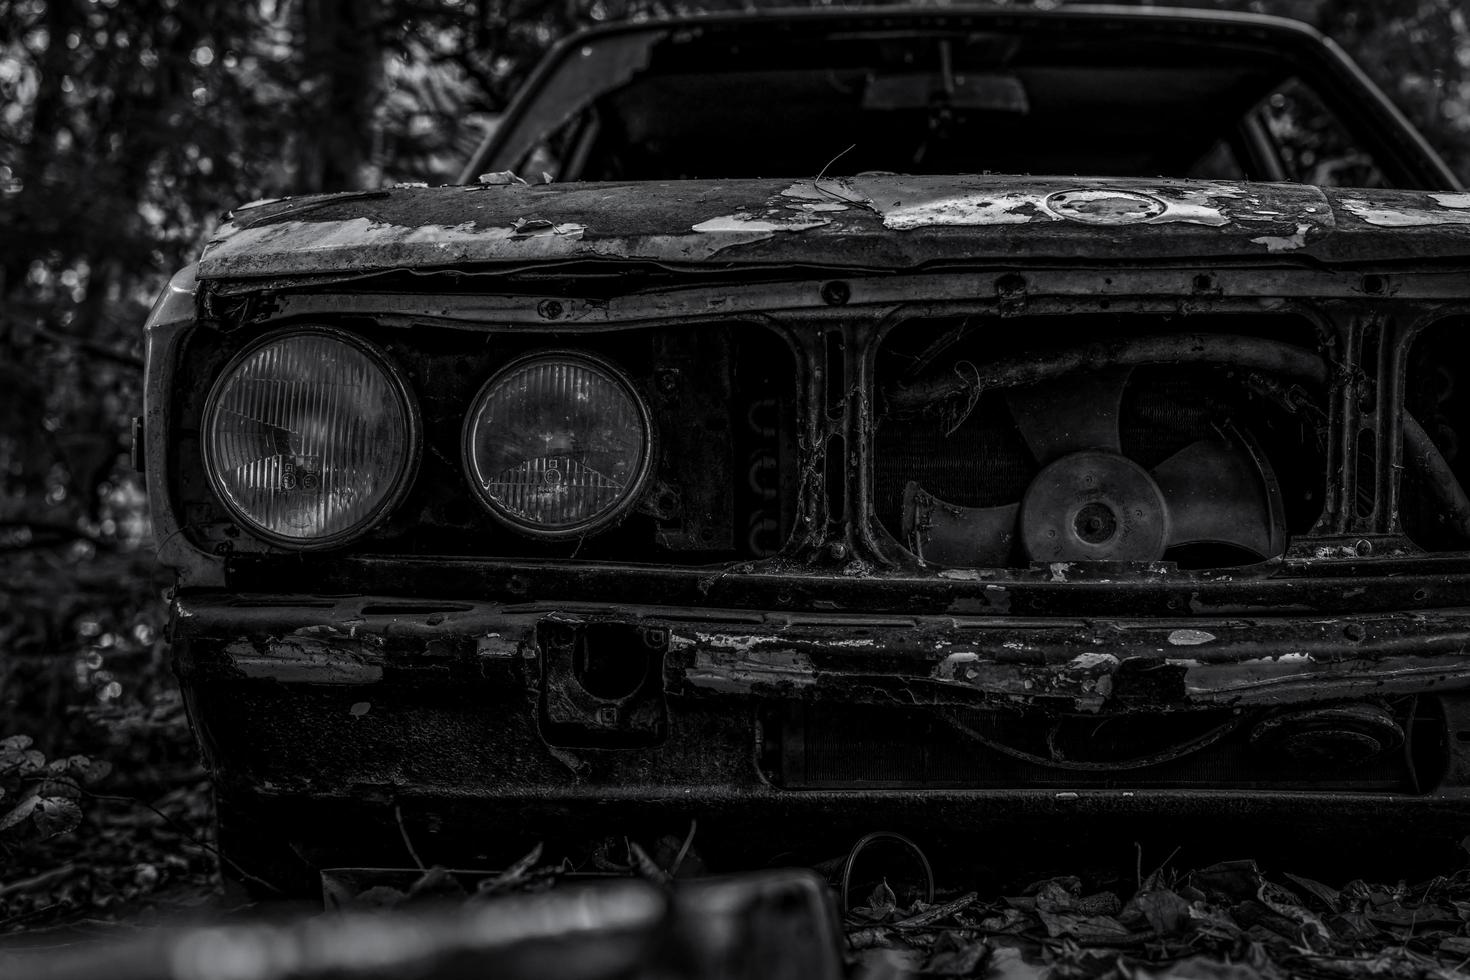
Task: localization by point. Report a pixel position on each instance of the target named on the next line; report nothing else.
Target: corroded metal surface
(893, 222)
(1092, 665)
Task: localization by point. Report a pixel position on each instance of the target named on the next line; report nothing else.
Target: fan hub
(1093, 505)
(1096, 523)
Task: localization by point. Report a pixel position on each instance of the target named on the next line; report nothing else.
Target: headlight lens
(557, 444)
(309, 438)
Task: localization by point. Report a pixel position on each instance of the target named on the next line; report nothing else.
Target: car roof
(920, 12)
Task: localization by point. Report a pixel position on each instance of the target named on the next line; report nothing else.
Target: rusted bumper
(539, 720)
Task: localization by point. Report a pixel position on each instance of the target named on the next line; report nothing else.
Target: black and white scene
(678, 490)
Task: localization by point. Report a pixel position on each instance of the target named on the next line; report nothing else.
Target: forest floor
(119, 838)
(92, 715)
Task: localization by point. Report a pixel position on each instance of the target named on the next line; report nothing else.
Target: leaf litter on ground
(1228, 921)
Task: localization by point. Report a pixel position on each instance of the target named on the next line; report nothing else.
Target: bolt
(607, 717)
(655, 637)
(837, 550)
(550, 309)
(836, 293)
(1363, 547)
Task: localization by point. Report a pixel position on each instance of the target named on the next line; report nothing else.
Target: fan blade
(1070, 414)
(949, 534)
(1216, 495)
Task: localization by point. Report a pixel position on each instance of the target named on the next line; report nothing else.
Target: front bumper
(485, 727)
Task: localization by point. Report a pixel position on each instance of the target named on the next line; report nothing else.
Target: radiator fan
(1088, 501)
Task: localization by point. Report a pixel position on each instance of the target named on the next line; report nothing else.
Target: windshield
(663, 105)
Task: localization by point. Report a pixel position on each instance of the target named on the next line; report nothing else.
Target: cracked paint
(495, 645)
(741, 670)
(1454, 209)
(1284, 243)
(1092, 661)
(906, 209)
(955, 666)
(304, 246)
(963, 209)
(1107, 206)
(526, 227)
(745, 221)
(839, 193)
(305, 659)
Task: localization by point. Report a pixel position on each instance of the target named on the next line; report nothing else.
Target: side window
(562, 155)
(1311, 143)
(548, 156)
(1219, 163)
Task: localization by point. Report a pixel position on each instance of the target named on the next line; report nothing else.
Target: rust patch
(739, 669)
(1105, 207)
(497, 646)
(304, 658)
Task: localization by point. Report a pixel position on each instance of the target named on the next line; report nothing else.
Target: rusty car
(955, 421)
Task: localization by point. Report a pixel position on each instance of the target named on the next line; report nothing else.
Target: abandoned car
(809, 423)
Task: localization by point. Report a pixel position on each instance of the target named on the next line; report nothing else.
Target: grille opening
(835, 475)
(1203, 463)
(1437, 395)
(1365, 491)
(608, 662)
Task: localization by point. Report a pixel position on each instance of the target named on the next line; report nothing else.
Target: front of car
(899, 494)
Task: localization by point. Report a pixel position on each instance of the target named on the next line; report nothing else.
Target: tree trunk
(342, 62)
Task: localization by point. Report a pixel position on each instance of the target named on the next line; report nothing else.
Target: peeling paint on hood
(1285, 243)
(962, 209)
(868, 221)
(1439, 209)
(905, 204)
(744, 221)
(1088, 205)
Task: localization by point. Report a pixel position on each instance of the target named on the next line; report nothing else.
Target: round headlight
(557, 444)
(309, 438)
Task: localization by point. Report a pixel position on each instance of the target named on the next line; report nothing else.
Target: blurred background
(127, 129)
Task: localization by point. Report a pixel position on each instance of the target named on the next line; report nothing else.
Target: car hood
(881, 222)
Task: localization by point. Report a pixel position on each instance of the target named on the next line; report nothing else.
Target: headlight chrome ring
(558, 444)
(310, 437)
